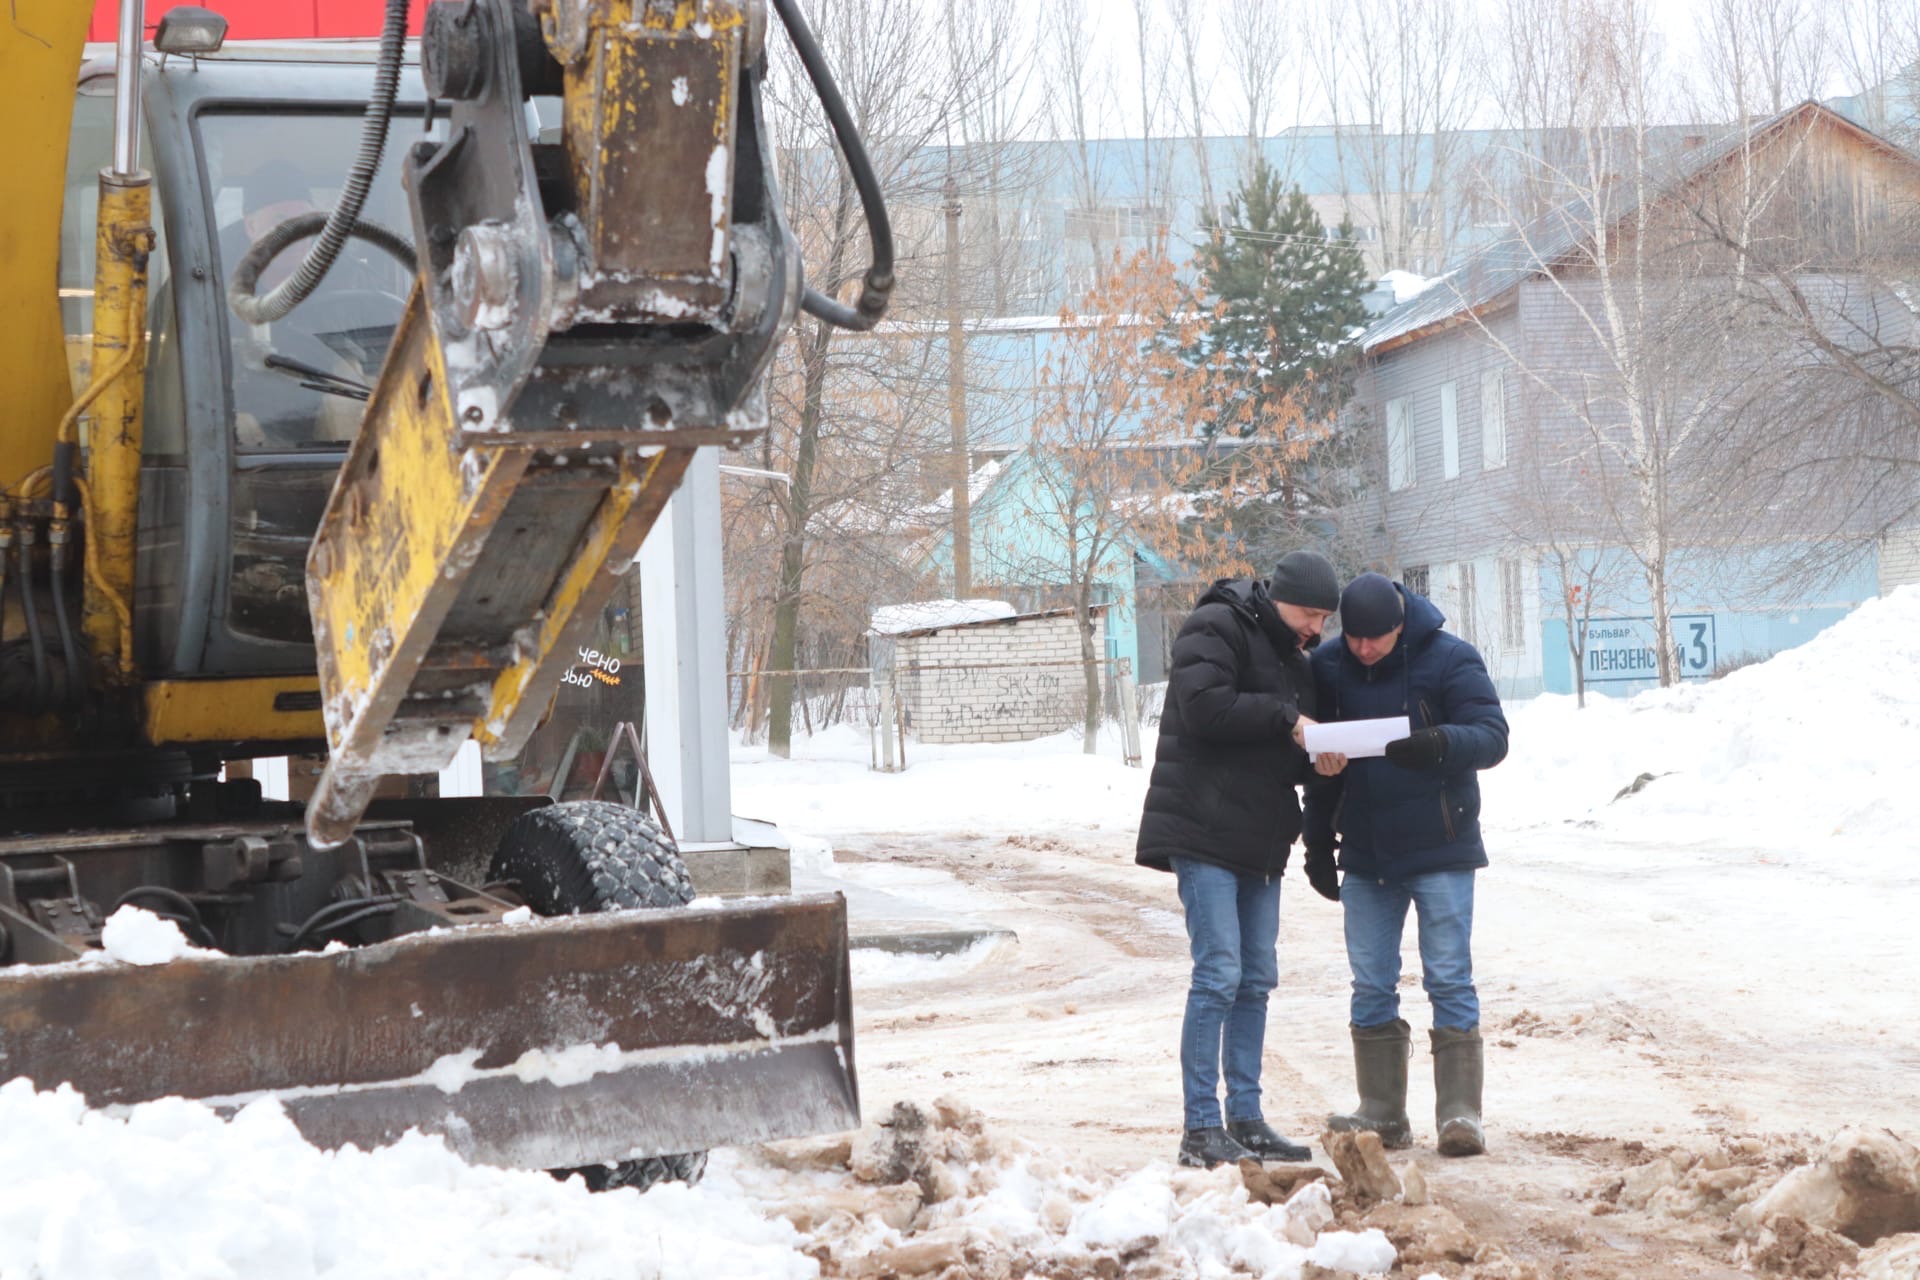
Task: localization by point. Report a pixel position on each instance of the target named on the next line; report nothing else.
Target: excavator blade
(554, 1043)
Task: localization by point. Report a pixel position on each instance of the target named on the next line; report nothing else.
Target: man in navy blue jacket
(1407, 828)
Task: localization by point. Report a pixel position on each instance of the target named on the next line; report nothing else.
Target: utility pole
(957, 404)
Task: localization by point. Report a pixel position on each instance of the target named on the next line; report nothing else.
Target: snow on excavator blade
(560, 1042)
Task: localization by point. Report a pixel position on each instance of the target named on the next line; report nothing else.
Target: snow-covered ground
(1727, 950)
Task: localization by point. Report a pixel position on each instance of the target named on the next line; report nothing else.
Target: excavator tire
(591, 855)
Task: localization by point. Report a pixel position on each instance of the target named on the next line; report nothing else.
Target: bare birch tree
(1071, 79)
(1402, 79)
(1195, 115)
(1878, 46)
(878, 49)
(1637, 377)
(1759, 57)
(1263, 53)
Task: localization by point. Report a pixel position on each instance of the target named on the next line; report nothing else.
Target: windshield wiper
(317, 379)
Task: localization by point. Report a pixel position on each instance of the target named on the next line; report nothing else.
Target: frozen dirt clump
(932, 1191)
(1789, 1246)
(1362, 1161)
(1866, 1187)
(1708, 1180)
(1895, 1258)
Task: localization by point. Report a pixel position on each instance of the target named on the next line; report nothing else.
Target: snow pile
(923, 615)
(169, 1190)
(829, 788)
(1815, 743)
(932, 1192)
(133, 935)
(875, 966)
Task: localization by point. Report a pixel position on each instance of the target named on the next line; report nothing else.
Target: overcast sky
(1113, 24)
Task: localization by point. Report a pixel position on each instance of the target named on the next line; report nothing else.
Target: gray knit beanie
(1307, 579)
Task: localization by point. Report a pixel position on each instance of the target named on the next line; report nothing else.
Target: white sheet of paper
(1356, 739)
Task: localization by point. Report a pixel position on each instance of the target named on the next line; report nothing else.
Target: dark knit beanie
(1307, 579)
(1371, 606)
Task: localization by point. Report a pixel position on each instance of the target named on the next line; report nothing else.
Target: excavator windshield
(299, 384)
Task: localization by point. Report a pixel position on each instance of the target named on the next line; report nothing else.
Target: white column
(684, 628)
(462, 776)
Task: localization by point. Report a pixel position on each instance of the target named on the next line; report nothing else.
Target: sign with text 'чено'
(602, 667)
(1622, 648)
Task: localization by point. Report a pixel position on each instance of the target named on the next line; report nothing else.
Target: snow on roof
(928, 615)
(1407, 286)
(978, 483)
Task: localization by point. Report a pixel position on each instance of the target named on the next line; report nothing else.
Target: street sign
(1622, 648)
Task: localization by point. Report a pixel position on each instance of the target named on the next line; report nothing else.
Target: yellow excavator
(344, 380)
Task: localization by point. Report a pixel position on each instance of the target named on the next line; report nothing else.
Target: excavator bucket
(553, 1043)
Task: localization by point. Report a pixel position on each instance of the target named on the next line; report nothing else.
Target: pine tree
(1286, 298)
(1284, 302)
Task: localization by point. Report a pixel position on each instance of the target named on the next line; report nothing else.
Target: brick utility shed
(995, 679)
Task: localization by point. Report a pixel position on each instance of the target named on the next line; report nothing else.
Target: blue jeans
(1233, 922)
(1376, 917)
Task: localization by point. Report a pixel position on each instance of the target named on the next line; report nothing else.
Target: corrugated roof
(1489, 275)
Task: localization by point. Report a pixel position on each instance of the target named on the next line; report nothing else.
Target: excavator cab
(380, 361)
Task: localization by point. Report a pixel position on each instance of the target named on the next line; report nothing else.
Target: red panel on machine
(269, 19)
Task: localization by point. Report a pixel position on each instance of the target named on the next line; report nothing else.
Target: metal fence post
(883, 726)
(1129, 715)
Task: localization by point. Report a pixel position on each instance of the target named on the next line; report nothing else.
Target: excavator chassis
(532, 1043)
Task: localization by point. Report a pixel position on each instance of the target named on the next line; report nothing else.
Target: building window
(1449, 431)
(1493, 419)
(1108, 222)
(1513, 608)
(1400, 443)
(1414, 579)
(1469, 605)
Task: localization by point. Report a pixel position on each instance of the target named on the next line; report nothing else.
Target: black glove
(1321, 875)
(1423, 749)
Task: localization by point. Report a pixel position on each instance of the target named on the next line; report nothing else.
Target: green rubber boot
(1459, 1071)
(1380, 1068)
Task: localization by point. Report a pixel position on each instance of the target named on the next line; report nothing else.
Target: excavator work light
(190, 31)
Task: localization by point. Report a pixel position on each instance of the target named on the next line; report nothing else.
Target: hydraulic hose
(69, 652)
(246, 273)
(877, 287)
(59, 537)
(294, 290)
(23, 550)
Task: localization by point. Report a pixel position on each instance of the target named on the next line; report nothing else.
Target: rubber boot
(1459, 1070)
(1380, 1068)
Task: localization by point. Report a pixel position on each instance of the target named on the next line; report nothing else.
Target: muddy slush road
(1718, 1005)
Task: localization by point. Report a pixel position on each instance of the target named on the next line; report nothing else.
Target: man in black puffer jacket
(1221, 814)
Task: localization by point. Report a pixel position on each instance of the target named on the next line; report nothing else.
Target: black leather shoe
(1205, 1148)
(1258, 1137)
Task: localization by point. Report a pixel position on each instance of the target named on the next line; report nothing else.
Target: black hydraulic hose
(292, 291)
(330, 918)
(877, 287)
(246, 273)
(64, 498)
(24, 551)
(69, 651)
